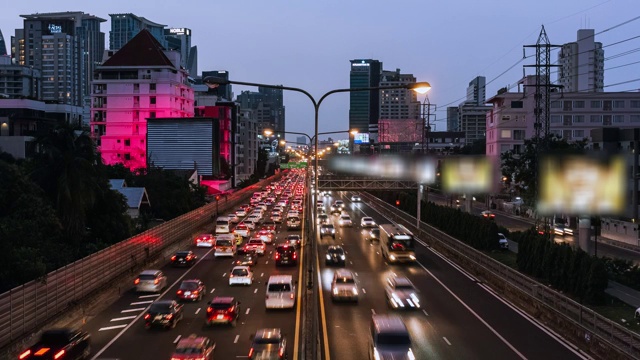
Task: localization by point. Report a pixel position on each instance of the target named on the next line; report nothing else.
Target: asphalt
(460, 319)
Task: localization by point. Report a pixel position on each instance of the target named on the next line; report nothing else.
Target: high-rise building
(470, 116)
(19, 81)
(476, 91)
(364, 106)
(139, 81)
(301, 140)
(3, 45)
(125, 27)
(582, 64)
(401, 105)
(67, 47)
(179, 39)
(268, 106)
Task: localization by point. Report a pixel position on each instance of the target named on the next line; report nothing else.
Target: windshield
(239, 272)
(223, 243)
(219, 306)
(188, 350)
(272, 340)
(394, 339)
(345, 280)
(189, 285)
(222, 223)
(147, 277)
(404, 287)
(160, 308)
(279, 287)
(401, 245)
(335, 251)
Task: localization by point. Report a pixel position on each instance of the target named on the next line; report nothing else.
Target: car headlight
(354, 291)
(333, 231)
(412, 257)
(392, 257)
(376, 355)
(342, 257)
(335, 291)
(410, 355)
(328, 257)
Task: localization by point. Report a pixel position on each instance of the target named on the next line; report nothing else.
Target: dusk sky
(308, 43)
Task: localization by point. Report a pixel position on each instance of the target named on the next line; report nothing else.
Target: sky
(308, 43)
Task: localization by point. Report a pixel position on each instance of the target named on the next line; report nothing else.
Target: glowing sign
(365, 64)
(55, 29)
(466, 175)
(180, 31)
(361, 138)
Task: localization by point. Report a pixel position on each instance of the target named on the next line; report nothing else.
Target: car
(241, 212)
(503, 242)
(249, 259)
(265, 235)
(242, 229)
(223, 310)
(293, 223)
(293, 213)
(281, 292)
(637, 314)
(339, 203)
(163, 313)
(293, 240)
(335, 256)
(322, 219)
(327, 230)
(319, 206)
(191, 290)
(204, 240)
(373, 234)
(269, 225)
(183, 258)
(194, 347)
(488, 214)
(262, 205)
(241, 275)
(276, 217)
(249, 222)
(59, 343)
(279, 208)
(356, 198)
(389, 338)
(150, 281)
(345, 221)
(401, 294)
(335, 210)
(366, 222)
(326, 193)
(343, 286)
(255, 245)
(286, 254)
(233, 218)
(268, 344)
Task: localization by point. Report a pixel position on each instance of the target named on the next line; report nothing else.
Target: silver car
(343, 286)
(150, 281)
(401, 294)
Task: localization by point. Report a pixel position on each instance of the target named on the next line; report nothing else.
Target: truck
(59, 344)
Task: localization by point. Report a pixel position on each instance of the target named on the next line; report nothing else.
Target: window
(635, 104)
(607, 105)
(578, 119)
(127, 156)
(557, 119)
(618, 104)
(518, 134)
(152, 100)
(505, 134)
(568, 105)
(578, 134)
(517, 105)
(505, 147)
(618, 118)
(152, 115)
(556, 104)
(596, 104)
(152, 87)
(634, 118)
(127, 142)
(578, 104)
(595, 119)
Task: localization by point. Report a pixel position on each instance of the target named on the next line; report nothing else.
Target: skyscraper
(179, 39)
(67, 46)
(268, 107)
(582, 64)
(364, 106)
(470, 115)
(125, 26)
(3, 45)
(476, 91)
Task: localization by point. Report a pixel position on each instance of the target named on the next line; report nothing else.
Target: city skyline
(309, 45)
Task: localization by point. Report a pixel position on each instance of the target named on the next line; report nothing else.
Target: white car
(233, 218)
(293, 213)
(255, 245)
(367, 222)
(241, 212)
(343, 286)
(401, 294)
(250, 224)
(345, 220)
(276, 217)
(242, 229)
(205, 240)
(356, 198)
(339, 203)
(241, 275)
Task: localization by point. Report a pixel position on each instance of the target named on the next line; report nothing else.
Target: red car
(194, 347)
(191, 290)
(223, 310)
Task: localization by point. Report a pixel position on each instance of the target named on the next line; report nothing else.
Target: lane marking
(123, 318)
(447, 341)
(261, 274)
(141, 302)
(177, 339)
(247, 312)
(373, 311)
(148, 296)
(198, 310)
(325, 336)
(364, 291)
(225, 274)
(296, 337)
(425, 312)
(235, 341)
(112, 327)
(132, 310)
(255, 291)
(212, 290)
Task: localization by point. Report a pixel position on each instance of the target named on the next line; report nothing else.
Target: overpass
(361, 183)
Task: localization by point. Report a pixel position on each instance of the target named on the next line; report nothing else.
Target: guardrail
(28, 307)
(582, 325)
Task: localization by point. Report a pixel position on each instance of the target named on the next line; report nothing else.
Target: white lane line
(141, 302)
(425, 312)
(212, 290)
(255, 291)
(356, 274)
(225, 274)
(447, 341)
(364, 291)
(177, 339)
(266, 262)
(148, 296)
(261, 274)
(198, 310)
(112, 327)
(373, 311)
(235, 341)
(247, 312)
(132, 310)
(124, 318)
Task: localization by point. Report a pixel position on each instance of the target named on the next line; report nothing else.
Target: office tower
(67, 47)
(125, 26)
(582, 64)
(222, 91)
(364, 106)
(19, 81)
(268, 108)
(476, 91)
(179, 39)
(3, 45)
(301, 140)
(398, 103)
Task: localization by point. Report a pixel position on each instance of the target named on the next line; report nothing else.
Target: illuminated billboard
(466, 175)
(361, 138)
(582, 185)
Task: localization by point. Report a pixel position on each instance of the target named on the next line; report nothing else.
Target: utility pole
(425, 130)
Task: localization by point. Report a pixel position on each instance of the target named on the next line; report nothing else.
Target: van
(225, 245)
(223, 225)
(389, 338)
(281, 292)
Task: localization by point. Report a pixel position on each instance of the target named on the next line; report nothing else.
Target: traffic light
(397, 202)
(217, 197)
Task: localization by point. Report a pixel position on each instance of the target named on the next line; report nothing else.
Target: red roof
(142, 50)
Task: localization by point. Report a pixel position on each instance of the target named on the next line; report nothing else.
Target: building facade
(397, 104)
(19, 81)
(246, 144)
(470, 116)
(125, 27)
(67, 47)
(364, 106)
(3, 45)
(268, 109)
(301, 140)
(581, 64)
(179, 39)
(139, 81)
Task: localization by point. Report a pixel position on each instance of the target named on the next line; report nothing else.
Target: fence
(30, 306)
(599, 334)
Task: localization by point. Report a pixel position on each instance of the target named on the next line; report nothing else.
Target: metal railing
(598, 333)
(26, 308)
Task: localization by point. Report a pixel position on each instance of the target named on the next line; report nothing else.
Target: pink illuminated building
(141, 80)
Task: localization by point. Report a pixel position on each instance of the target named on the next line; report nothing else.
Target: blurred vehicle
(292, 213)
(242, 229)
(401, 294)
(335, 256)
(241, 275)
(249, 259)
(233, 218)
(62, 343)
(367, 222)
(293, 240)
(223, 310)
(225, 245)
(150, 281)
(319, 206)
(326, 193)
(191, 290)
(239, 239)
(255, 245)
(265, 235)
(389, 338)
(262, 205)
(269, 225)
(343, 286)
(183, 258)
(488, 214)
(250, 222)
(163, 313)
(286, 255)
(223, 225)
(356, 198)
(276, 217)
(345, 221)
(241, 212)
(373, 234)
(503, 242)
(327, 230)
(336, 209)
(293, 223)
(268, 344)
(204, 240)
(281, 292)
(339, 203)
(322, 219)
(397, 244)
(194, 347)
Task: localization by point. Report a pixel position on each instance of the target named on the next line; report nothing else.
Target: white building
(581, 64)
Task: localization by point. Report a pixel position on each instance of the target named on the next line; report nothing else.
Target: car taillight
(147, 316)
(179, 292)
(195, 292)
(277, 256)
(230, 275)
(295, 255)
(209, 309)
(291, 296)
(173, 258)
(156, 281)
(250, 353)
(168, 317)
(281, 352)
(136, 281)
(24, 354)
(188, 257)
(59, 354)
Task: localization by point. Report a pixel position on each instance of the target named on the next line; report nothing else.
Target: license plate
(220, 317)
(285, 258)
(158, 317)
(187, 292)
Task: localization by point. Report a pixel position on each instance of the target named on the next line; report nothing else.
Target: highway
(119, 333)
(460, 319)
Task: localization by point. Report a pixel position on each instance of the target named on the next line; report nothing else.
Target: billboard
(361, 138)
(466, 175)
